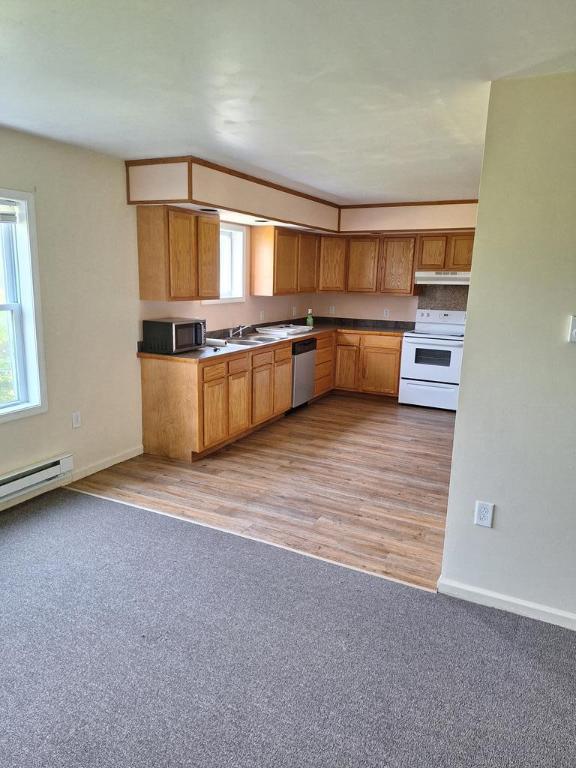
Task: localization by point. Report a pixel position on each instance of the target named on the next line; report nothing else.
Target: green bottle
(310, 319)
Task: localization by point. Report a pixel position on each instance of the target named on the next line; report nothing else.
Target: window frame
(245, 232)
(29, 353)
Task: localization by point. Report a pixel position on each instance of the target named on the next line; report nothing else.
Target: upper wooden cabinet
(178, 254)
(363, 264)
(308, 247)
(332, 268)
(283, 261)
(459, 252)
(437, 252)
(397, 265)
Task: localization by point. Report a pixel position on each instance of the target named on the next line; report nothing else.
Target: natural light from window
(21, 385)
(232, 263)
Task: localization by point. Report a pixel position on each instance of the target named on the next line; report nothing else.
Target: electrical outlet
(386, 314)
(331, 309)
(572, 330)
(76, 420)
(293, 311)
(262, 315)
(483, 513)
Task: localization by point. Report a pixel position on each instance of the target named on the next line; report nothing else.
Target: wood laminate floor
(357, 480)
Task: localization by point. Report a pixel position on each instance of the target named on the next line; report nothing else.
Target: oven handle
(437, 344)
(428, 385)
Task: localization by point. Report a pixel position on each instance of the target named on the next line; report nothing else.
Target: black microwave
(172, 335)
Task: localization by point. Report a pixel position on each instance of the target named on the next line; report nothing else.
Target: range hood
(442, 278)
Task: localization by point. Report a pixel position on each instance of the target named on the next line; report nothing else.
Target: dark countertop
(333, 324)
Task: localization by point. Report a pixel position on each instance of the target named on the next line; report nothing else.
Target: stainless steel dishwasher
(303, 365)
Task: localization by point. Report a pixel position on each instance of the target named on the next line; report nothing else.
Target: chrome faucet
(237, 329)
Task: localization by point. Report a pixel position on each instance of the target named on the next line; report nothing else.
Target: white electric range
(432, 359)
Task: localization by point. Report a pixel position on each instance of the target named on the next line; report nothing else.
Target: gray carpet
(133, 640)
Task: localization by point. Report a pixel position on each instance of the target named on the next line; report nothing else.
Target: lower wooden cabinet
(379, 371)
(215, 411)
(283, 385)
(262, 393)
(239, 402)
(346, 375)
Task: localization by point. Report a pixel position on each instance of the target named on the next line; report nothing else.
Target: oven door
(432, 359)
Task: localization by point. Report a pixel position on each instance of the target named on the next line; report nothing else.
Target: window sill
(239, 300)
(21, 411)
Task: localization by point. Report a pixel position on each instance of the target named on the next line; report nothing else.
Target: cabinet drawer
(383, 342)
(322, 385)
(351, 339)
(324, 355)
(214, 371)
(262, 358)
(283, 353)
(238, 364)
(324, 369)
(326, 342)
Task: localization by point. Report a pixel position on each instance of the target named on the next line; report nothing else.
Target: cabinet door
(431, 252)
(215, 411)
(208, 257)
(398, 265)
(332, 270)
(283, 386)
(346, 367)
(262, 393)
(285, 262)
(379, 370)
(182, 255)
(239, 399)
(459, 254)
(363, 264)
(307, 262)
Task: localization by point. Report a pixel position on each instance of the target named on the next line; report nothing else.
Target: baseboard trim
(508, 603)
(107, 462)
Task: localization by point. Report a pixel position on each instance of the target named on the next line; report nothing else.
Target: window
(232, 264)
(21, 379)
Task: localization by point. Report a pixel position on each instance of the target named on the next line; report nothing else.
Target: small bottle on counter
(310, 319)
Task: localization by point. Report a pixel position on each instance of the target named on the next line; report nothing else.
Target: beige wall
(515, 441)
(88, 282)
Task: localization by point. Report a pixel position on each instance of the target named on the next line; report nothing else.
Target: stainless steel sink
(246, 342)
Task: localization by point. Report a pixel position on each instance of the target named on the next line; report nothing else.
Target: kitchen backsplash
(453, 297)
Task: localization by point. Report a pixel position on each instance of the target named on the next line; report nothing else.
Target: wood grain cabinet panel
(239, 402)
(208, 257)
(285, 262)
(431, 252)
(346, 367)
(283, 386)
(459, 252)
(215, 411)
(379, 370)
(363, 264)
(178, 254)
(397, 268)
(262, 393)
(308, 247)
(332, 268)
(182, 255)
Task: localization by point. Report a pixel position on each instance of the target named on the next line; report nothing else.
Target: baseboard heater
(23, 480)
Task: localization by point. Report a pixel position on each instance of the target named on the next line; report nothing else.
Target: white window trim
(239, 300)
(34, 340)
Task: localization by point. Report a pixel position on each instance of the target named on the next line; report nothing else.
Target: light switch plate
(572, 331)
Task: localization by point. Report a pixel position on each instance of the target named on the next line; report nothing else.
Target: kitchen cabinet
(239, 396)
(459, 252)
(283, 384)
(332, 266)
(379, 370)
(308, 247)
(363, 264)
(346, 374)
(324, 368)
(444, 251)
(262, 393)
(275, 254)
(215, 411)
(397, 265)
(178, 254)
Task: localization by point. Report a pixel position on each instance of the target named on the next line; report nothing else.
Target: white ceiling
(358, 101)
